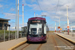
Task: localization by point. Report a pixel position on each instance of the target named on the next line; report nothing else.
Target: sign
(58, 27)
(35, 21)
(67, 26)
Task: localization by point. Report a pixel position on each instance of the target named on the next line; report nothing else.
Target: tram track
(55, 43)
(74, 48)
(39, 47)
(52, 40)
(25, 46)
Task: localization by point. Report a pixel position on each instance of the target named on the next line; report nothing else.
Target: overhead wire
(57, 6)
(39, 5)
(72, 22)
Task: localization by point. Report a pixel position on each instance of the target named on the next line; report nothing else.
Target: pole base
(68, 31)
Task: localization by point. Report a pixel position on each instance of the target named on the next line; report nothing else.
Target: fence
(12, 36)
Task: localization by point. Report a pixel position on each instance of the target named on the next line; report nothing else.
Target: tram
(36, 29)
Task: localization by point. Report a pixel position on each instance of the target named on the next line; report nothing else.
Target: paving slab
(8, 44)
(68, 37)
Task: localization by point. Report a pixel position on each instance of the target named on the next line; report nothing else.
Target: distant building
(3, 22)
(24, 31)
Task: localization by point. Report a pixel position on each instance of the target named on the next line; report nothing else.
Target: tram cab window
(31, 28)
(35, 29)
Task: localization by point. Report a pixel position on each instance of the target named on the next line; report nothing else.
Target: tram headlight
(29, 36)
(42, 35)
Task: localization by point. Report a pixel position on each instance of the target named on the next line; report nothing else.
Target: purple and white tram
(36, 29)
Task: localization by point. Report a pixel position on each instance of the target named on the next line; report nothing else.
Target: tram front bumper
(36, 39)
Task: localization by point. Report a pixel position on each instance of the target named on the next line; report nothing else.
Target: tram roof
(36, 18)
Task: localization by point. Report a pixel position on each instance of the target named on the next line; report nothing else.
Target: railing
(12, 36)
(70, 33)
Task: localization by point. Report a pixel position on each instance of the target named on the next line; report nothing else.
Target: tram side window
(44, 28)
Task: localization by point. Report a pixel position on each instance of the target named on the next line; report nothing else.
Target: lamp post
(67, 22)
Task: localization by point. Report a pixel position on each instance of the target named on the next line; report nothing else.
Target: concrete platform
(8, 45)
(68, 37)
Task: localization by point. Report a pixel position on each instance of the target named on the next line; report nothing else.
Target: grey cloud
(11, 15)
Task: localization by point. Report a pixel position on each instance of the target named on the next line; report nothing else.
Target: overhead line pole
(55, 26)
(71, 29)
(23, 14)
(34, 14)
(4, 33)
(59, 24)
(67, 22)
(18, 22)
(59, 21)
(56, 13)
(57, 6)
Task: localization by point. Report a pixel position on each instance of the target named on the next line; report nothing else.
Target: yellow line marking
(17, 45)
(67, 38)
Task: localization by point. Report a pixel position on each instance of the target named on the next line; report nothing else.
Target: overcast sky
(53, 9)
